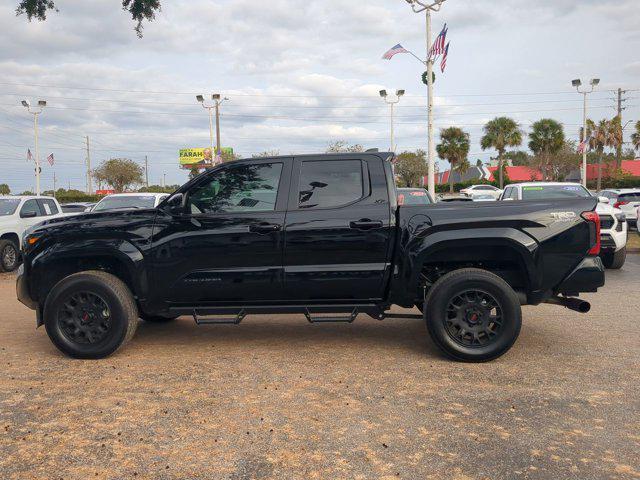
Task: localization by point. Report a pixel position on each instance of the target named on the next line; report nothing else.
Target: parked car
(483, 197)
(484, 189)
(320, 235)
(626, 199)
(18, 213)
(78, 207)
(413, 196)
(119, 201)
(613, 233)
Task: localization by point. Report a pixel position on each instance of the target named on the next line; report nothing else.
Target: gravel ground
(276, 397)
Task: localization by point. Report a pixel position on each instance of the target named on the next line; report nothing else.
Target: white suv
(17, 213)
(481, 189)
(626, 199)
(613, 224)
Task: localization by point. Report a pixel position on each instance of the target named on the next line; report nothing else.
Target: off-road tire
(5, 265)
(440, 306)
(122, 308)
(615, 260)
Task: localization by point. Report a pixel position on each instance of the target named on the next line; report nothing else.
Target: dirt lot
(276, 397)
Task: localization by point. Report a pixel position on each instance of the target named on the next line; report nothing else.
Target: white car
(18, 213)
(626, 199)
(613, 224)
(119, 201)
(483, 197)
(481, 189)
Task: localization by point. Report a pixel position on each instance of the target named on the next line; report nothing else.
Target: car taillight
(401, 199)
(618, 204)
(594, 228)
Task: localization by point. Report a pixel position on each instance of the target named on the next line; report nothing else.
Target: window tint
(243, 188)
(554, 191)
(329, 184)
(30, 206)
(49, 207)
(484, 187)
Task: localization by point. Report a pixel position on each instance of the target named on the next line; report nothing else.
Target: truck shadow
(290, 332)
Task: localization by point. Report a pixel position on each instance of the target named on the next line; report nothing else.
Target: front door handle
(264, 227)
(365, 224)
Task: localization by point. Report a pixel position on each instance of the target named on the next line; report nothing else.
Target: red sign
(105, 192)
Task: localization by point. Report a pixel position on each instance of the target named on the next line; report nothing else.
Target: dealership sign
(200, 157)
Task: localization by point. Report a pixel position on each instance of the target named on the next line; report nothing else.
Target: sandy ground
(276, 397)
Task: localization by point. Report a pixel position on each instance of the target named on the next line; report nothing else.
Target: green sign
(199, 157)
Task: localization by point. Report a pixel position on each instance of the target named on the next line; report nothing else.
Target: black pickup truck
(319, 235)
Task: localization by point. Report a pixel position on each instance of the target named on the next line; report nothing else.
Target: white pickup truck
(17, 213)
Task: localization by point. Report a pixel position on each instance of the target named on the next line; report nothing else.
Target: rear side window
(329, 184)
(629, 197)
(49, 207)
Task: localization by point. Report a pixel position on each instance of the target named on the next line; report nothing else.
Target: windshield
(129, 201)
(413, 197)
(629, 197)
(544, 192)
(8, 206)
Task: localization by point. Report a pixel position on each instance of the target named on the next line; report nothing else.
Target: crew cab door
(227, 246)
(338, 229)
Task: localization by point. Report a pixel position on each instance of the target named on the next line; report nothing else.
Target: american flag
(438, 46)
(29, 156)
(443, 62)
(50, 159)
(394, 50)
(582, 146)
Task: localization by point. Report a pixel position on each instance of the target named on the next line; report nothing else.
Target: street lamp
(216, 105)
(577, 83)
(35, 112)
(419, 6)
(391, 103)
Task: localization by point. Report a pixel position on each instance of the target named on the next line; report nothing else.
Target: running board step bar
(220, 320)
(329, 319)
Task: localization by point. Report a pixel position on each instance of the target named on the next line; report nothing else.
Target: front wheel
(473, 315)
(90, 314)
(615, 260)
(9, 256)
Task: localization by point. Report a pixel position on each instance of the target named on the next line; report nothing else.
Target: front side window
(8, 206)
(242, 188)
(507, 192)
(328, 184)
(30, 208)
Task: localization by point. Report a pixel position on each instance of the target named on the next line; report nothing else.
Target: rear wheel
(90, 314)
(9, 256)
(615, 260)
(473, 315)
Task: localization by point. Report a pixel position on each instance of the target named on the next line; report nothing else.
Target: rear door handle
(264, 227)
(365, 224)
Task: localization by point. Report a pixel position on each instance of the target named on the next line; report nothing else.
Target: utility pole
(419, 6)
(146, 171)
(217, 101)
(35, 112)
(577, 83)
(164, 179)
(89, 182)
(620, 109)
(391, 103)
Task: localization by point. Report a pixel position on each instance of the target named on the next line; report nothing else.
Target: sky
(298, 75)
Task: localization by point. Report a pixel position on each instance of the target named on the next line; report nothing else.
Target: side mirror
(31, 214)
(603, 200)
(176, 204)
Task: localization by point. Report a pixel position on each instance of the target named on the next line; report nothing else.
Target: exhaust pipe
(572, 303)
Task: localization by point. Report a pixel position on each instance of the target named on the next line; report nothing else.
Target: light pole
(35, 112)
(577, 83)
(419, 6)
(214, 106)
(391, 103)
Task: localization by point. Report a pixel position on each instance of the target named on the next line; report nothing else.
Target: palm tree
(454, 148)
(500, 133)
(546, 140)
(635, 137)
(601, 136)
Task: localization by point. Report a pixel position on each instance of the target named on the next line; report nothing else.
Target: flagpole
(431, 148)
